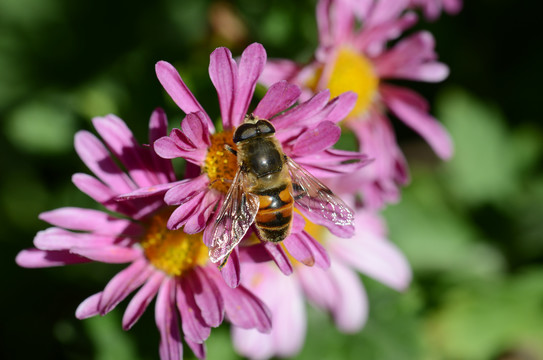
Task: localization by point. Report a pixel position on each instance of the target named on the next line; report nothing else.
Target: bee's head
(252, 127)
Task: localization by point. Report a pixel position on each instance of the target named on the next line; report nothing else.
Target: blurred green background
(472, 228)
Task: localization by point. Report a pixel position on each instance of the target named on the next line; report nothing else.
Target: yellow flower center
(354, 72)
(220, 164)
(172, 251)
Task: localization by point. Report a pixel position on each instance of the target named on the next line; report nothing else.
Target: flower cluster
(167, 228)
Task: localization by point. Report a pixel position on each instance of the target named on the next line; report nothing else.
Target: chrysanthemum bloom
(432, 8)
(357, 58)
(171, 265)
(338, 290)
(306, 131)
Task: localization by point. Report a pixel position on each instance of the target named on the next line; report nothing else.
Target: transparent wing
(236, 216)
(312, 195)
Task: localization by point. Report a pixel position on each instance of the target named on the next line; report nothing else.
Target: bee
(264, 190)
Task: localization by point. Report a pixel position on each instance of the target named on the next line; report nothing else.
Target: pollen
(352, 71)
(221, 165)
(172, 251)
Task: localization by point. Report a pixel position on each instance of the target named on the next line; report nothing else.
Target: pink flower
(360, 59)
(306, 131)
(338, 290)
(432, 8)
(169, 264)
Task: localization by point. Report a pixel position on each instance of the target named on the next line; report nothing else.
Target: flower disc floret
(172, 251)
(220, 165)
(352, 71)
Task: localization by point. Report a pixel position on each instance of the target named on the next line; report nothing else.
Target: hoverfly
(264, 190)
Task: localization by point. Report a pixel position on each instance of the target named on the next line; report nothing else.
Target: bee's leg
(227, 147)
(224, 261)
(227, 181)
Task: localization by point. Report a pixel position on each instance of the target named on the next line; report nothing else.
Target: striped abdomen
(275, 212)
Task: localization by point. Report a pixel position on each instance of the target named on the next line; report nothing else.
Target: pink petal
(279, 257)
(319, 252)
(279, 97)
(452, 7)
(351, 307)
(413, 58)
(194, 326)
(380, 180)
(284, 297)
(146, 206)
(185, 211)
(35, 258)
(289, 318)
(301, 113)
(98, 160)
(299, 250)
(325, 135)
(149, 191)
(337, 109)
(375, 257)
(341, 21)
(243, 309)
(318, 286)
(109, 254)
(386, 10)
(194, 126)
(141, 300)
(102, 194)
(332, 162)
(186, 190)
(122, 284)
(171, 347)
(231, 270)
(251, 66)
(207, 296)
(373, 40)
(199, 220)
(95, 221)
(298, 223)
(278, 70)
(170, 147)
(223, 72)
(60, 239)
(120, 140)
(158, 127)
(323, 22)
(254, 254)
(178, 91)
(253, 344)
(405, 104)
(199, 350)
(89, 307)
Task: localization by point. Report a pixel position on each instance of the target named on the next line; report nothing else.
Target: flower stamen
(221, 165)
(354, 72)
(172, 251)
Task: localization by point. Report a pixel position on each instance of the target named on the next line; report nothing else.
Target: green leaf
(436, 237)
(483, 166)
(41, 127)
(110, 341)
(485, 319)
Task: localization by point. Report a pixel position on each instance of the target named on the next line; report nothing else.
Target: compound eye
(244, 132)
(265, 127)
